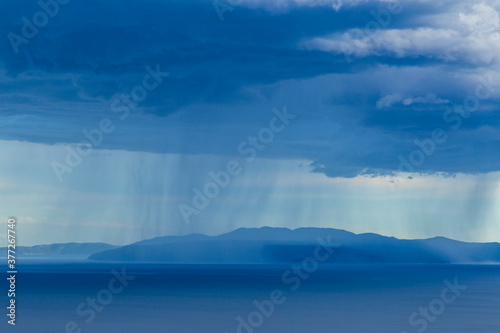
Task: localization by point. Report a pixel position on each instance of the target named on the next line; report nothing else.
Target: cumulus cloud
(482, 19)
(475, 39)
(396, 42)
(285, 4)
(393, 99)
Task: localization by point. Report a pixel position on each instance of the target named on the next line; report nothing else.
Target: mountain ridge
(281, 245)
(60, 249)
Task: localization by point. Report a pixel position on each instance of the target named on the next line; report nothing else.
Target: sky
(126, 122)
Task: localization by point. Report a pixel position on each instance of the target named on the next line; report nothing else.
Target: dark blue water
(187, 298)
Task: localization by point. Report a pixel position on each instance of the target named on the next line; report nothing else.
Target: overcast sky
(369, 116)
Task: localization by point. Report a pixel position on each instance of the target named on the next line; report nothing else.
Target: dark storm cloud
(223, 74)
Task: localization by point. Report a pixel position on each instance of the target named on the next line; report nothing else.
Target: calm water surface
(186, 298)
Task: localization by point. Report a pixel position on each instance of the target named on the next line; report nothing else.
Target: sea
(54, 295)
